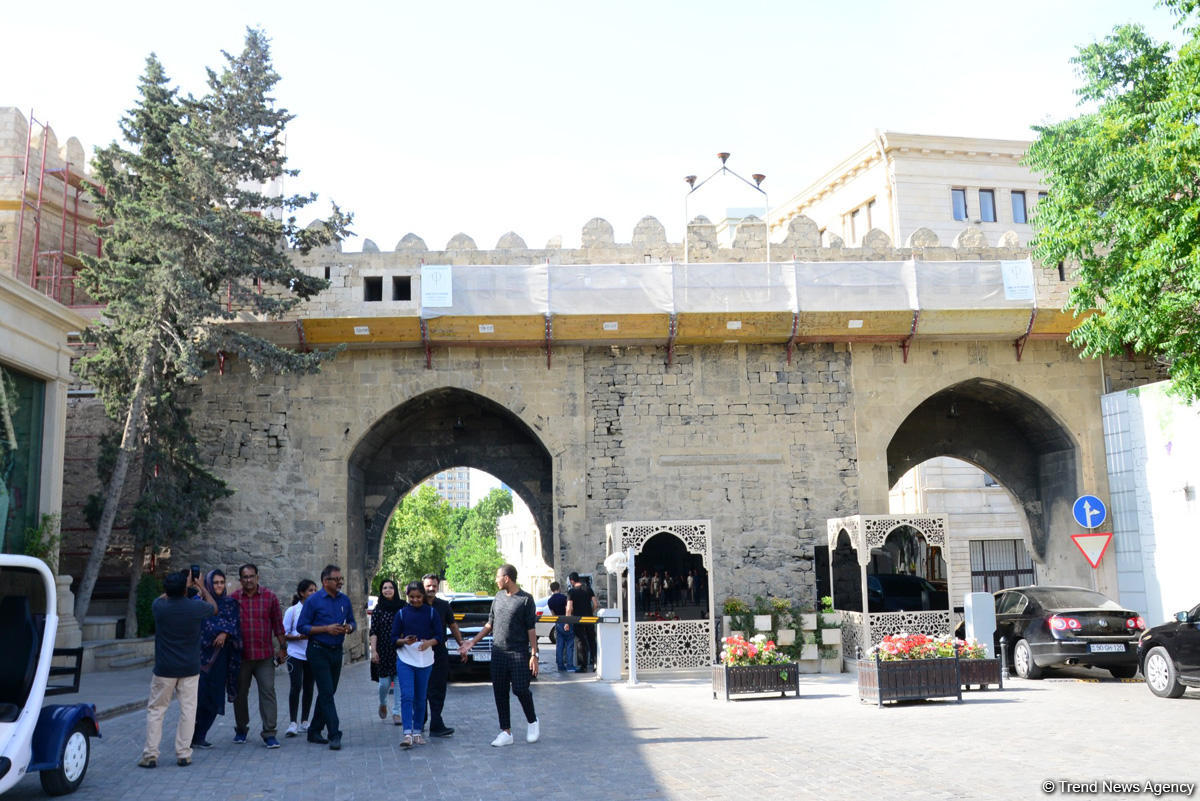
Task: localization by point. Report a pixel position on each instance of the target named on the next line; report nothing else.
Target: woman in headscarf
(220, 659)
(383, 653)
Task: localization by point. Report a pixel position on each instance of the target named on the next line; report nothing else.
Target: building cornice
(14, 293)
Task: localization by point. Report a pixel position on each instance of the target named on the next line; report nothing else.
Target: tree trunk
(116, 485)
(135, 576)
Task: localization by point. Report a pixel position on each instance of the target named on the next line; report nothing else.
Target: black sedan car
(1170, 655)
(474, 610)
(1055, 626)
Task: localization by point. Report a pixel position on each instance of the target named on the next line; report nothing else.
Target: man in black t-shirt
(581, 602)
(436, 693)
(177, 620)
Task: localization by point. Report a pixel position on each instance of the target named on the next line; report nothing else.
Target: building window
(1018, 207)
(373, 288)
(958, 202)
(1062, 272)
(987, 205)
(401, 287)
(870, 214)
(1042, 196)
(999, 564)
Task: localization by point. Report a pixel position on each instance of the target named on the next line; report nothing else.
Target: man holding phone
(326, 619)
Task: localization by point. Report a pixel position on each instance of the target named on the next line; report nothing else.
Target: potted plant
(753, 666)
(831, 658)
(781, 613)
(830, 617)
(809, 650)
(907, 667)
(805, 615)
(737, 615)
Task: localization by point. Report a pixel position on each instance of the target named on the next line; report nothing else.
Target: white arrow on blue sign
(1089, 511)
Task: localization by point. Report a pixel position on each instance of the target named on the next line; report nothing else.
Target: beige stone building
(900, 182)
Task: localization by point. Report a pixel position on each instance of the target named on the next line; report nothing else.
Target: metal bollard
(1003, 661)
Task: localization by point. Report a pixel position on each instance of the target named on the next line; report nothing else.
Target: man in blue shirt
(326, 619)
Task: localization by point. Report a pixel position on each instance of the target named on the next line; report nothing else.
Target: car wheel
(1160, 673)
(1123, 672)
(72, 763)
(552, 636)
(1023, 661)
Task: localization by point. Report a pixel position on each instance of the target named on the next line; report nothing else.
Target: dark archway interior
(846, 575)
(435, 431)
(665, 554)
(1004, 432)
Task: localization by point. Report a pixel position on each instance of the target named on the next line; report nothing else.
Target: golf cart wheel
(72, 763)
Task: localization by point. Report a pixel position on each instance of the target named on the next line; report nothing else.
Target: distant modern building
(901, 182)
(454, 485)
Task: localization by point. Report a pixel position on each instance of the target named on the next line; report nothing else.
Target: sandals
(407, 742)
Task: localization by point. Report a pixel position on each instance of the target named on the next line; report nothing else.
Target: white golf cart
(52, 740)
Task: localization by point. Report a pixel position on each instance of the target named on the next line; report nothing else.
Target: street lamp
(723, 169)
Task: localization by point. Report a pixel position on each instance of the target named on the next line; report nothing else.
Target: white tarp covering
(856, 286)
(966, 285)
(495, 291)
(610, 289)
(738, 287)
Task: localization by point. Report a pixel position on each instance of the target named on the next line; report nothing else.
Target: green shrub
(149, 587)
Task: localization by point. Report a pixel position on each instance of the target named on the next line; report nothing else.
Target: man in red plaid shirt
(261, 619)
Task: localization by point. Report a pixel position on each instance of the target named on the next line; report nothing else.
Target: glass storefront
(22, 405)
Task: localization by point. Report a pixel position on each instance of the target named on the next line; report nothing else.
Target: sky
(534, 117)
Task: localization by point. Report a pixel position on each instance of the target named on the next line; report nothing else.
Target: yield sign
(1093, 546)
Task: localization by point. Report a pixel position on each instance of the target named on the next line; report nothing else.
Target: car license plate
(482, 656)
(1104, 648)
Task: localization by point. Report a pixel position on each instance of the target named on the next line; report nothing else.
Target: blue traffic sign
(1089, 511)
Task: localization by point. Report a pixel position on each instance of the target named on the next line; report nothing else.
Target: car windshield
(1072, 598)
(472, 606)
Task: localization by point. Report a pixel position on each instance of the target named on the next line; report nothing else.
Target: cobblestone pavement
(671, 740)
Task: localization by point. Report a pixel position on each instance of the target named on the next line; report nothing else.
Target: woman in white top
(299, 674)
(415, 630)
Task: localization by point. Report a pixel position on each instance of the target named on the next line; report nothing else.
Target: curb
(121, 709)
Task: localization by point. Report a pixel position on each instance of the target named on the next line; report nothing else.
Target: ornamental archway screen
(667, 644)
(855, 544)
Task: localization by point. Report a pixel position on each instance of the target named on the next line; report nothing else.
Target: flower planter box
(786, 637)
(809, 651)
(808, 621)
(908, 679)
(831, 664)
(731, 680)
(980, 673)
(831, 636)
(762, 623)
(831, 619)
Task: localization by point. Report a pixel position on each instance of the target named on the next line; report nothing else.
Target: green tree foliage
(427, 535)
(1124, 204)
(472, 555)
(414, 542)
(190, 240)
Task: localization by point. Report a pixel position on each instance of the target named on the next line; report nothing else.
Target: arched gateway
(436, 430)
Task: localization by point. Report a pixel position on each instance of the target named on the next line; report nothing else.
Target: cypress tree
(191, 239)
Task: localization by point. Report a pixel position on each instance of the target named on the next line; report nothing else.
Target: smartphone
(195, 572)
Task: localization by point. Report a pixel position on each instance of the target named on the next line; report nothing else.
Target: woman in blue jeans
(415, 630)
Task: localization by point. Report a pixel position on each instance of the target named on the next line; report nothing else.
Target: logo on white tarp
(1018, 279)
(437, 287)
(1093, 546)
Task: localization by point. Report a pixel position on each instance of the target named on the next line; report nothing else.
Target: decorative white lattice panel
(854, 635)
(671, 644)
(693, 533)
(935, 624)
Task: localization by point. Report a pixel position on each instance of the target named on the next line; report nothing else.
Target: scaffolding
(43, 195)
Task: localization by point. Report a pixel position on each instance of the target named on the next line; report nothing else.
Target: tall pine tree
(190, 239)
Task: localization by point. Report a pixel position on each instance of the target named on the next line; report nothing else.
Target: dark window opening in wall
(373, 288)
(1042, 196)
(1062, 272)
(958, 202)
(999, 564)
(987, 205)
(854, 225)
(870, 214)
(401, 287)
(1018, 207)
(326, 273)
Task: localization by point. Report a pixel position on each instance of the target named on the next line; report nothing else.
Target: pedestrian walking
(512, 624)
(177, 621)
(261, 619)
(220, 658)
(691, 587)
(326, 619)
(383, 650)
(300, 677)
(439, 677)
(415, 631)
(564, 633)
(581, 602)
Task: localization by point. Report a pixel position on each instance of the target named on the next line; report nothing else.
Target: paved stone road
(671, 740)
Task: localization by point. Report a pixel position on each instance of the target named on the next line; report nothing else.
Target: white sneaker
(531, 736)
(304, 725)
(502, 739)
(292, 730)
